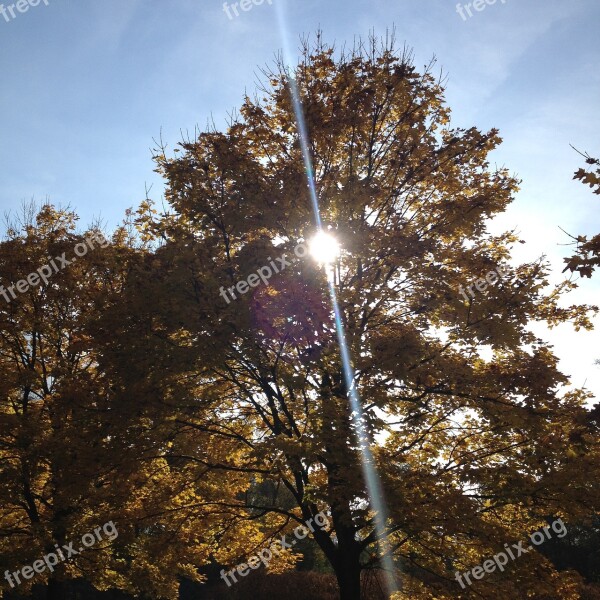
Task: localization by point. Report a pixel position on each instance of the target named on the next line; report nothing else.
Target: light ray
(368, 463)
(370, 475)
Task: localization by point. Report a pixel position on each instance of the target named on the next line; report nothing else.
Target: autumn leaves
(263, 274)
(51, 559)
(43, 273)
(500, 560)
(266, 554)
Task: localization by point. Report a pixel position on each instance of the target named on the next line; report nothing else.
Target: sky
(87, 87)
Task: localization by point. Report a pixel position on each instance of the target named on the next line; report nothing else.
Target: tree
(587, 257)
(76, 451)
(473, 433)
(51, 432)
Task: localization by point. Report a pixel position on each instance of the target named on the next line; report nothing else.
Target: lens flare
(324, 248)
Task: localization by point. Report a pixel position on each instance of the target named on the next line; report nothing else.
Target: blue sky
(87, 85)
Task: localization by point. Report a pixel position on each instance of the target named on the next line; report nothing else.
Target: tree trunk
(54, 590)
(348, 578)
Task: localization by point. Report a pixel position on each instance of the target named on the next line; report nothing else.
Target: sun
(324, 248)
